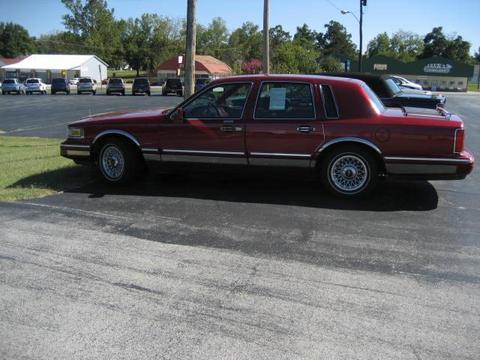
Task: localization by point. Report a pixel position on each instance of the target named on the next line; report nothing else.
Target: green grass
(33, 167)
(473, 87)
(125, 74)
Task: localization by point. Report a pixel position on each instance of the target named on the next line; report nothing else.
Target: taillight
(459, 140)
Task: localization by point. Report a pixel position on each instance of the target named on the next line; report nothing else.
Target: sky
(419, 16)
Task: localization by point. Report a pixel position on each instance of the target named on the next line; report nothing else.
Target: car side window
(331, 110)
(282, 100)
(225, 101)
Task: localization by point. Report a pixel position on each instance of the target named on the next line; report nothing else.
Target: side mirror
(178, 115)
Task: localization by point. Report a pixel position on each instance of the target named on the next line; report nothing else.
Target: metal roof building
(47, 67)
(205, 66)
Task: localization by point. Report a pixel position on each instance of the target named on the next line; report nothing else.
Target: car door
(285, 127)
(213, 127)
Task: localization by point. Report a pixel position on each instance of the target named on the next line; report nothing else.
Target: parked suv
(86, 85)
(173, 86)
(141, 86)
(60, 85)
(35, 85)
(12, 86)
(200, 83)
(115, 85)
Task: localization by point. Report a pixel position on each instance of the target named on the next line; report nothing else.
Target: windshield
(58, 81)
(115, 81)
(392, 86)
(85, 80)
(9, 82)
(141, 81)
(377, 103)
(32, 81)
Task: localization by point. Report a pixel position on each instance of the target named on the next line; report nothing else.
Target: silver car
(13, 86)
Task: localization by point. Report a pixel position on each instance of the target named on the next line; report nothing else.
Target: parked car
(60, 85)
(35, 85)
(115, 85)
(335, 127)
(141, 86)
(74, 81)
(405, 83)
(200, 83)
(391, 95)
(86, 85)
(172, 86)
(12, 86)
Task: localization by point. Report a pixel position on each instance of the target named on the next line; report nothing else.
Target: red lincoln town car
(335, 127)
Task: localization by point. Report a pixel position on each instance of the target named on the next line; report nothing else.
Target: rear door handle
(231, 128)
(305, 129)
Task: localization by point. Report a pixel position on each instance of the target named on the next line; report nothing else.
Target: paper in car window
(278, 98)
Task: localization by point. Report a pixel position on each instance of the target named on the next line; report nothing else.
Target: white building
(48, 67)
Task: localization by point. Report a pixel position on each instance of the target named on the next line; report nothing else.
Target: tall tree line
(142, 43)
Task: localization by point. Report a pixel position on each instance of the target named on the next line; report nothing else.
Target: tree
(435, 43)
(379, 45)
(94, 22)
(15, 40)
(458, 49)
(336, 42)
(213, 40)
(453, 47)
(64, 42)
(278, 36)
(291, 58)
(403, 46)
(150, 39)
(252, 66)
(477, 55)
(406, 46)
(305, 37)
(245, 43)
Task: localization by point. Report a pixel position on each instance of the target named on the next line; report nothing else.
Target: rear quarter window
(329, 103)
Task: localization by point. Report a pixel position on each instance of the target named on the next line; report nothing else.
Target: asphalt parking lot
(244, 267)
(48, 115)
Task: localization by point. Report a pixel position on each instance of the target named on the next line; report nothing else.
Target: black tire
(3, 92)
(94, 92)
(53, 92)
(121, 152)
(356, 175)
(108, 93)
(123, 93)
(79, 92)
(149, 93)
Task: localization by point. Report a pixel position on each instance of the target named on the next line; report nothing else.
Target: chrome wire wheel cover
(113, 162)
(349, 173)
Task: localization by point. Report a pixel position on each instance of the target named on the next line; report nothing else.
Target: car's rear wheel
(118, 161)
(349, 172)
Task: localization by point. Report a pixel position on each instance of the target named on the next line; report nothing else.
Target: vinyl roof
(52, 62)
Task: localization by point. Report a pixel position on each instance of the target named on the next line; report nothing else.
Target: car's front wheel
(118, 161)
(349, 172)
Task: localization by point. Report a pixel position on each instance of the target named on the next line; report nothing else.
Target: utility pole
(266, 38)
(360, 55)
(190, 49)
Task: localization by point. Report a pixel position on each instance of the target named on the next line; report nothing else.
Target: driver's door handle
(231, 128)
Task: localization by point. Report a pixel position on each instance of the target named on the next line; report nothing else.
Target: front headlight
(77, 133)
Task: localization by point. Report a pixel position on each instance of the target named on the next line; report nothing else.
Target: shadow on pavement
(265, 189)
(244, 188)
